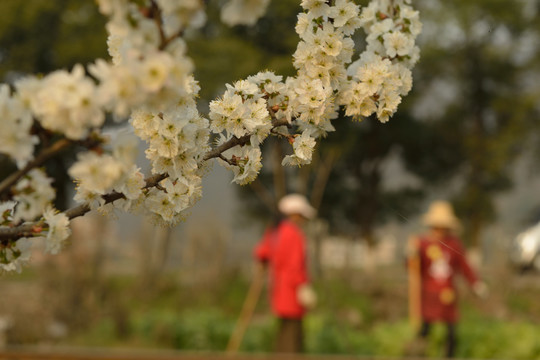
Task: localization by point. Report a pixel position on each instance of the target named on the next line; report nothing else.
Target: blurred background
(468, 132)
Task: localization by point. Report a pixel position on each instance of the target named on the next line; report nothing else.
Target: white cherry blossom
(16, 141)
(33, 193)
(58, 231)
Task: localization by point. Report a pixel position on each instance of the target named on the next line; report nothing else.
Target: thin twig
(280, 135)
(232, 142)
(156, 15)
(164, 41)
(39, 160)
(228, 161)
(322, 175)
(26, 229)
(154, 180)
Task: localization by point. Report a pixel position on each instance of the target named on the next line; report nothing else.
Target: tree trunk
(164, 245)
(368, 201)
(322, 174)
(280, 182)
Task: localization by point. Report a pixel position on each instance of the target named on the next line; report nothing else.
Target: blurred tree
(362, 193)
(41, 36)
(477, 70)
(471, 109)
(346, 176)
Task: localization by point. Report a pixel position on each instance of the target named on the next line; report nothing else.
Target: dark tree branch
(228, 161)
(27, 229)
(155, 13)
(322, 175)
(232, 142)
(44, 156)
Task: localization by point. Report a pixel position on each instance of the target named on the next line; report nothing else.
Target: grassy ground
(358, 313)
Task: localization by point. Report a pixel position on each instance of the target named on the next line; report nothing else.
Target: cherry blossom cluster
(16, 140)
(32, 194)
(32, 197)
(382, 75)
(325, 80)
(307, 101)
(64, 102)
(177, 142)
(149, 84)
(149, 65)
(149, 76)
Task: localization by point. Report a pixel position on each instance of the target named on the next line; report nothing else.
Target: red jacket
(284, 249)
(439, 263)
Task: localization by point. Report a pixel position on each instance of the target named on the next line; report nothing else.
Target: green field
(357, 314)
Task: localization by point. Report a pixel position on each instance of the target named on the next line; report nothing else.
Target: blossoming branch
(149, 82)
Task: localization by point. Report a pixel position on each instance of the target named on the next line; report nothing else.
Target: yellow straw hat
(441, 214)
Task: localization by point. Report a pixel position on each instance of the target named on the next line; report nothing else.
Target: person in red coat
(283, 250)
(441, 257)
